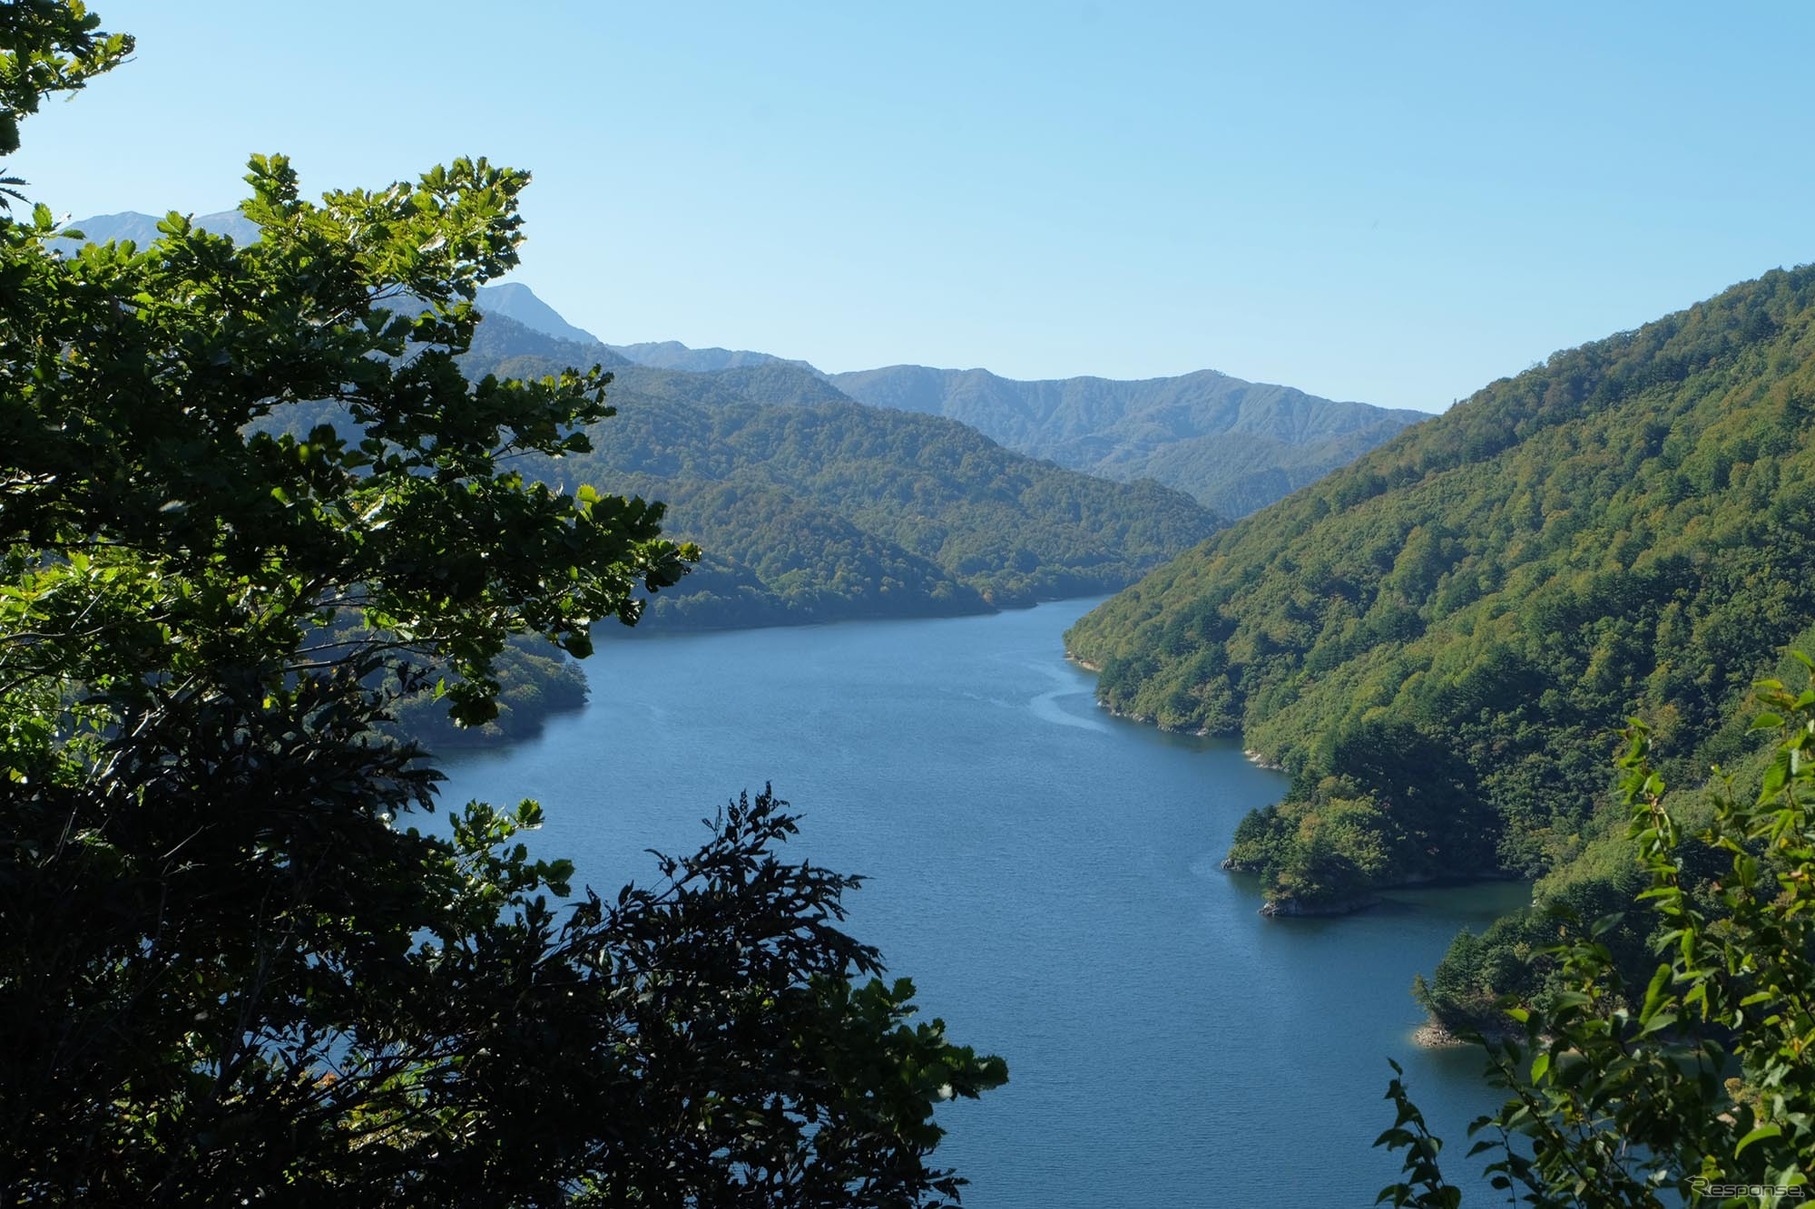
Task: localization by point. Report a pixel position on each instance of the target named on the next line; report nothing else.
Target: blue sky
(1395, 203)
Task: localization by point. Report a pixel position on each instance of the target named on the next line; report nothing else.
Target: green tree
(1701, 1083)
(230, 970)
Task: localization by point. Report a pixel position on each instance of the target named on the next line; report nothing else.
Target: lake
(1048, 876)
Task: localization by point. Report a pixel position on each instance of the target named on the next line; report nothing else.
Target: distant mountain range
(143, 228)
(672, 354)
(1236, 446)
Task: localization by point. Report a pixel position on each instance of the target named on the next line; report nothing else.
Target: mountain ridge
(1234, 444)
(672, 354)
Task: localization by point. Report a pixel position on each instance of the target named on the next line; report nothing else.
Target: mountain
(1235, 445)
(142, 229)
(1438, 639)
(516, 301)
(813, 507)
(509, 348)
(672, 354)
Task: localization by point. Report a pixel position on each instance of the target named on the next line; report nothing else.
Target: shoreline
(1291, 909)
(1432, 1035)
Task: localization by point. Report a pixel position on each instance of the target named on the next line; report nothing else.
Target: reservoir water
(1048, 876)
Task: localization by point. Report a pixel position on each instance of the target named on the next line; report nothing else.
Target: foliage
(1620, 531)
(536, 680)
(1696, 1079)
(727, 979)
(1513, 957)
(231, 971)
(46, 47)
(405, 1019)
(136, 373)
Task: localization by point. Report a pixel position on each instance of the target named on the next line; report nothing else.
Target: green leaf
(1776, 775)
(1655, 994)
(1762, 1132)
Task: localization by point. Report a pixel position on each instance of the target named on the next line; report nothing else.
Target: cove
(1049, 877)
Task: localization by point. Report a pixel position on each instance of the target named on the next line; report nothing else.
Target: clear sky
(1395, 203)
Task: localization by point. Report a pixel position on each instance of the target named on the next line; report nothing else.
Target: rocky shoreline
(1291, 908)
(1433, 1034)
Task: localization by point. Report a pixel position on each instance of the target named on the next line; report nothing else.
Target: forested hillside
(1235, 445)
(1438, 640)
(812, 507)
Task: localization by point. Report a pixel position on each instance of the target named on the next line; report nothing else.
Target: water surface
(1048, 876)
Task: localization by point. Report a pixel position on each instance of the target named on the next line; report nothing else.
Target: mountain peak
(514, 300)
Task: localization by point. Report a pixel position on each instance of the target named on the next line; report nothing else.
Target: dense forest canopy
(1434, 639)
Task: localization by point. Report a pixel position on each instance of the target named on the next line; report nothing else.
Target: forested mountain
(510, 348)
(812, 507)
(1235, 445)
(1438, 640)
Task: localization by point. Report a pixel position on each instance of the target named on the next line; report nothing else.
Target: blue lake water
(1048, 876)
